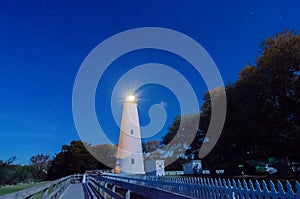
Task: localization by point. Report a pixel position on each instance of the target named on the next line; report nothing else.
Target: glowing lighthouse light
(131, 98)
(129, 155)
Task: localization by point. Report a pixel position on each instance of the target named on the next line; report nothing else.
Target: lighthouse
(129, 155)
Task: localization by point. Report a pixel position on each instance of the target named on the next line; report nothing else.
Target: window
(132, 161)
(131, 131)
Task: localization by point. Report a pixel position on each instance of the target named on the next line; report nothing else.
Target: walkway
(74, 191)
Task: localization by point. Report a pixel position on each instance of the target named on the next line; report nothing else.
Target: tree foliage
(177, 141)
(41, 164)
(150, 146)
(75, 158)
(105, 153)
(13, 174)
(263, 109)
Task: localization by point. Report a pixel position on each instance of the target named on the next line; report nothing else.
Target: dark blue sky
(43, 43)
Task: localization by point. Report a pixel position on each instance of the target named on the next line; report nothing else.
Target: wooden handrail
(197, 187)
(29, 192)
(125, 183)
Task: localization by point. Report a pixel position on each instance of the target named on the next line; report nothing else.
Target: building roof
(191, 161)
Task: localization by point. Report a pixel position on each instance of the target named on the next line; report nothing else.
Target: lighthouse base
(130, 165)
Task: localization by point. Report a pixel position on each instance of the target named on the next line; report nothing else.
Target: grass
(13, 188)
(37, 195)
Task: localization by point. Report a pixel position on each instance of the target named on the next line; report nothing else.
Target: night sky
(43, 44)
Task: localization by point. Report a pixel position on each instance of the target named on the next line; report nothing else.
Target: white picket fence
(209, 188)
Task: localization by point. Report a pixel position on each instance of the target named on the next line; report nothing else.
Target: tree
(106, 154)
(13, 174)
(76, 158)
(177, 141)
(3, 173)
(150, 146)
(181, 134)
(263, 111)
(22, 174)
(278, 68)
(41, 164)
(6, 170)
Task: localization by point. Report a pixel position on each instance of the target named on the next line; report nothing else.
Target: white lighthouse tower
(129, 155)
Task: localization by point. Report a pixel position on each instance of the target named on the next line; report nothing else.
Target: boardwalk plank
(74, 191)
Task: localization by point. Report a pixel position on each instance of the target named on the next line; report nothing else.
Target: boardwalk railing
(192, 187)
(49, 190)
(123, 187)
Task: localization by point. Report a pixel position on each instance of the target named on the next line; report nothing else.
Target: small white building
(192, 167)
(155, 167)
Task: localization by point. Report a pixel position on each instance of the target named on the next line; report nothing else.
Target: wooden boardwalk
(126, 186)
(74, 191)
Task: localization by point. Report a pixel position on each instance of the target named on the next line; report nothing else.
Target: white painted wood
(210, 188)
(155, 167)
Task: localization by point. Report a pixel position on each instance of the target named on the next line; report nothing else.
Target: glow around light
(131, 98)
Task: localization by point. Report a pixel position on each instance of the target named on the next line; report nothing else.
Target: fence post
(281, 191)
(45, 192)
(297, 195)
(246, 190)
(114, 189)
(127, 194)
(258, 190)
(105, 194)
(289, 190)
(265, 191)
(273, 192)
(252, 191)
